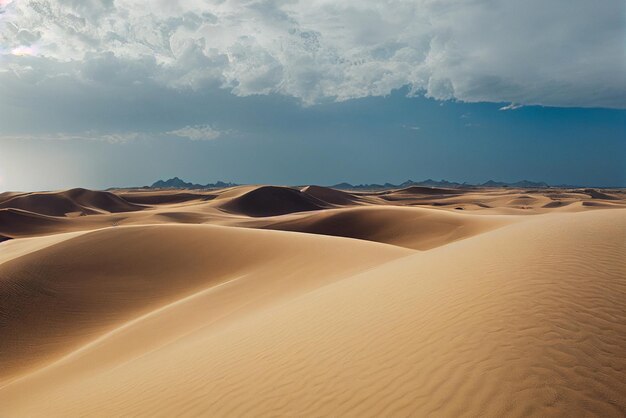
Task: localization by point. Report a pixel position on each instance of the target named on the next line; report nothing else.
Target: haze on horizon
(105, 93)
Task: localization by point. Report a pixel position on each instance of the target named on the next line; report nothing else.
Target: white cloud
(511, 106)
(194, 133)
(411, 127)
(111, 137)
(197, 133)
(563, 52)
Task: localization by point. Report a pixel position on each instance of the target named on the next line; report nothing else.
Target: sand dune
(416, 228)
(277, 301)
(74, 201)
(8, 195)
(16, 223)
(536, 328)
(19, 247)
(595, 194)
(426, 191)
(160, 198)
(272, 200)
(92, 282)
(332, 196)
(252, 205)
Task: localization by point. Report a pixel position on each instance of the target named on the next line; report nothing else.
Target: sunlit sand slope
(56, 296)
(525, 320)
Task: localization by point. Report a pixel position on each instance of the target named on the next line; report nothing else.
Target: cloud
(560, 53)
(197, 133)
(411, 127)
(111, 137)
(194, 133)
(511, 106)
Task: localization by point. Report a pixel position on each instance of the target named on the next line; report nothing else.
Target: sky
(104, 93)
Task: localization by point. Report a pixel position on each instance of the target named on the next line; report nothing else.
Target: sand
(274, 301)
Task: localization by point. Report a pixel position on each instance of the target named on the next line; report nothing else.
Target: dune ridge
(80, 210)
(78, 201)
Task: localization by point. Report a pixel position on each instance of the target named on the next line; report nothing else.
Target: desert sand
(309, 301)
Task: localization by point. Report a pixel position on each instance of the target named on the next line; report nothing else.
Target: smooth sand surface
(274, 301)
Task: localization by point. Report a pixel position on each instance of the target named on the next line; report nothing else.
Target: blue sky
(104, 93)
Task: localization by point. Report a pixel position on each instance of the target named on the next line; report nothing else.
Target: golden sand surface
(310, 301)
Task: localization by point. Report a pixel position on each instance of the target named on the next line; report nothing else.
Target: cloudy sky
(100, 93)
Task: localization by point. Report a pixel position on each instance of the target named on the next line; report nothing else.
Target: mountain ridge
(447, 184)
(177, 183)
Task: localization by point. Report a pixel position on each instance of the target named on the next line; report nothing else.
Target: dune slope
(73, 201)
(415, 228)
(16, 222)
(519, 321)
(58, 297)
(332, 196)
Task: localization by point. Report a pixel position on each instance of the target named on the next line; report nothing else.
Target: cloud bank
(557, 53)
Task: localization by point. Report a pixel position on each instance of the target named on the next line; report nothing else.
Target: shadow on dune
(332, 196)
(160, 198)
(414, 228)
(17, 222)
(272, 201)
(595, 194)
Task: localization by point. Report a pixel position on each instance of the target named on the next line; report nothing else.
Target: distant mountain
(442, 183)
(431, 183)
(176, 183)
(220, 185)
(517, 184)
(530, 184)
(492, 183)
(343, 186)
(408, 183)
